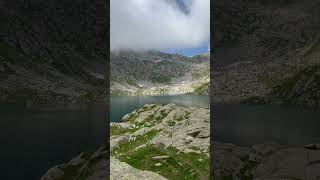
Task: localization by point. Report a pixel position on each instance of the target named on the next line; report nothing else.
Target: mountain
(52, 51)
(267, 52)
(154, 73)
(262, 30)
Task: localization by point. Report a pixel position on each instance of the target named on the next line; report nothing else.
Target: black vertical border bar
(107, 15)
(212, 162)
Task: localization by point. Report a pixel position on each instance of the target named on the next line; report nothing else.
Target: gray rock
(116, 140)
(77, 160)
(293, 163)
(157, 164)
(53, 173)
(160, 157)
(122, 171)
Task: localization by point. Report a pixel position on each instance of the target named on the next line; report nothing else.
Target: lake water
(243, 125)
(35, 139)
(251, 124)
(122, 105)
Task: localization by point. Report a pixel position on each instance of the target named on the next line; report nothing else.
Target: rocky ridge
(157, 73)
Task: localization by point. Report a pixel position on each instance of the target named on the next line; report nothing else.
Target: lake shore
(168, 141)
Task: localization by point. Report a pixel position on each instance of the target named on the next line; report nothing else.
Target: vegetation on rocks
(169, 140)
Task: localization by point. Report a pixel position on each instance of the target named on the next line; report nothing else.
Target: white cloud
(158, 24)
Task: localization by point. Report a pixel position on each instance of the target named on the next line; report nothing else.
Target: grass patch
(187, 114)
(115, 130)
(176, 118)
(171, 123)
(185, 166)
(125, 148)
(147, 108)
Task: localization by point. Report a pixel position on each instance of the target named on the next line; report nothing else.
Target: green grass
(184, 166)
(147, 108)
(187, 114)
(176, 118)
(125, 148)
(115, 130)
(171, 123)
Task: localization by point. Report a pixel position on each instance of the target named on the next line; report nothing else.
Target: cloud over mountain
(159, 24)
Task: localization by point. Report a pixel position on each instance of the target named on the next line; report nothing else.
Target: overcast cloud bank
(158, 24)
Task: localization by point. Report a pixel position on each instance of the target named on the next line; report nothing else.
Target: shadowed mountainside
(267, 52)
(52, 51)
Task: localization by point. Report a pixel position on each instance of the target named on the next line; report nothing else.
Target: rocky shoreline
(89, 166)
(166, 141)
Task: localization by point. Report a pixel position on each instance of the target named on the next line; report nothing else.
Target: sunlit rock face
(163, 138)
(121, 170)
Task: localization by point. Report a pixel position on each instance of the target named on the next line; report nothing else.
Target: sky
(172, 26)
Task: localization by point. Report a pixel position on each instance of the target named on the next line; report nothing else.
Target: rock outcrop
(88, 166)
(170, 140)
(120, 170)
(268, 161)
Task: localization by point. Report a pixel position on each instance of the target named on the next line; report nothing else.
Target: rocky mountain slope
(267, 52)
(52, 51)
(155, 73)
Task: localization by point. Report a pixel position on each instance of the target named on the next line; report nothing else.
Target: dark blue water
(121, 105)
(251, 124)
(35, 139)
